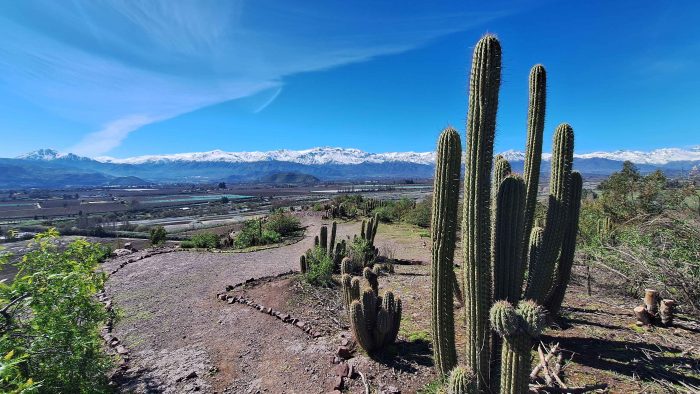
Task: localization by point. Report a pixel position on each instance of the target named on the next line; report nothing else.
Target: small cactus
(375, 321)
(302, 264)
(324, 238)
(346, 266)
(371, 278)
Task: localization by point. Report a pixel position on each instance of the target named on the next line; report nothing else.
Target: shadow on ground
(633, 359)
(403, 356)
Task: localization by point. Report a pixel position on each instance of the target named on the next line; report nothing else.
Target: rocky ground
(195, 321)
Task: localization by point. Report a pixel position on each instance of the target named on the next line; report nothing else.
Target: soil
(182, 338)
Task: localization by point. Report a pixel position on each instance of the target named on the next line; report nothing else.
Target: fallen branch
(364, 382)
(538, 368)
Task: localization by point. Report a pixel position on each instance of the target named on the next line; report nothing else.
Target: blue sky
(125, 78)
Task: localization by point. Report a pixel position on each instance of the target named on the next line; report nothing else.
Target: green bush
(283, 224)
(157, 235)
(204, 241)
(320, 267)
(362, 252)
(50, 334)
(420, 215)
(253, 233)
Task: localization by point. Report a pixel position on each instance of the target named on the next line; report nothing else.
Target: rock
(338, 383)
(344, 352)
(222, 296)
(229, 287)
(345, 342)
(300, 324)
(351, 371)
(391, 390)
(122, 350)
(231, 300)
(121, 252)
(342, 369)
(129, 246)
(316, 334)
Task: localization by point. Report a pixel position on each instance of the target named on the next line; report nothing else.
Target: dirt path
(180, 337)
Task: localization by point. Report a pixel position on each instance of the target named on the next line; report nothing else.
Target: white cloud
(127, 64)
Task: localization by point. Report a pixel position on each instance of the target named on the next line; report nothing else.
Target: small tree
(158, 235)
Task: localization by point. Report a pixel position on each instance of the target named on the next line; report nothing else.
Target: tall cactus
(484, 83)
(568, 247)
(444, 234)
(500, 240)
(542, 268)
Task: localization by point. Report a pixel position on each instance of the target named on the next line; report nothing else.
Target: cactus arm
(323, 239)
(461, 381)
(508, 267)
(358, 325)
(533, 151)
(568, 247)
(481, 123)
(444, 233)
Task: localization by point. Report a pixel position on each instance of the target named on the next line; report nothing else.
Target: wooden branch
(538, 368)
(547, 376)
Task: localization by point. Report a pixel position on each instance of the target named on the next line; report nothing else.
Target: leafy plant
(158, 235)
(49, 333)
(205, 240)
(319, 267)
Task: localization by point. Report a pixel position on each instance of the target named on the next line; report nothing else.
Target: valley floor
(181, 338)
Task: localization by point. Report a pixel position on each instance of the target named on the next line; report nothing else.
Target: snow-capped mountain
(49, 168)
(330, 155)
(313, 156)
(49, 154)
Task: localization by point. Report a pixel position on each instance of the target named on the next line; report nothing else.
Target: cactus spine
(568, 247)
(484, 83)
(444, 233)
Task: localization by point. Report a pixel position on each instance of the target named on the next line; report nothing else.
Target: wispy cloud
(126, 64)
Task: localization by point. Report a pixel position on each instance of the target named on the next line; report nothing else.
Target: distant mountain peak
(48, 154)
(336, 155)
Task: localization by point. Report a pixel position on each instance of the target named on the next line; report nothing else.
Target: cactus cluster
(375, 320)
(336, 251)
(499, 238)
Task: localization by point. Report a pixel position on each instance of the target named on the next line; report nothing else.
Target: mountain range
(48, 168)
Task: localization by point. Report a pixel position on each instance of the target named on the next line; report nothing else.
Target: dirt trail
(180, 337)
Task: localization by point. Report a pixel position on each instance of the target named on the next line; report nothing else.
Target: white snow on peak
(322, 155)
(330, 155)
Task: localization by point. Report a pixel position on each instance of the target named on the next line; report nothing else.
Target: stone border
(284, 317)
(130, 260)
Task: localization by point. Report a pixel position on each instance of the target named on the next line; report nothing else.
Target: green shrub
(158, 235)
(362, 252)
(204, 241)
(254, 233)
(319, 270)
(50, 333)
(420, 215)
(283, 224)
